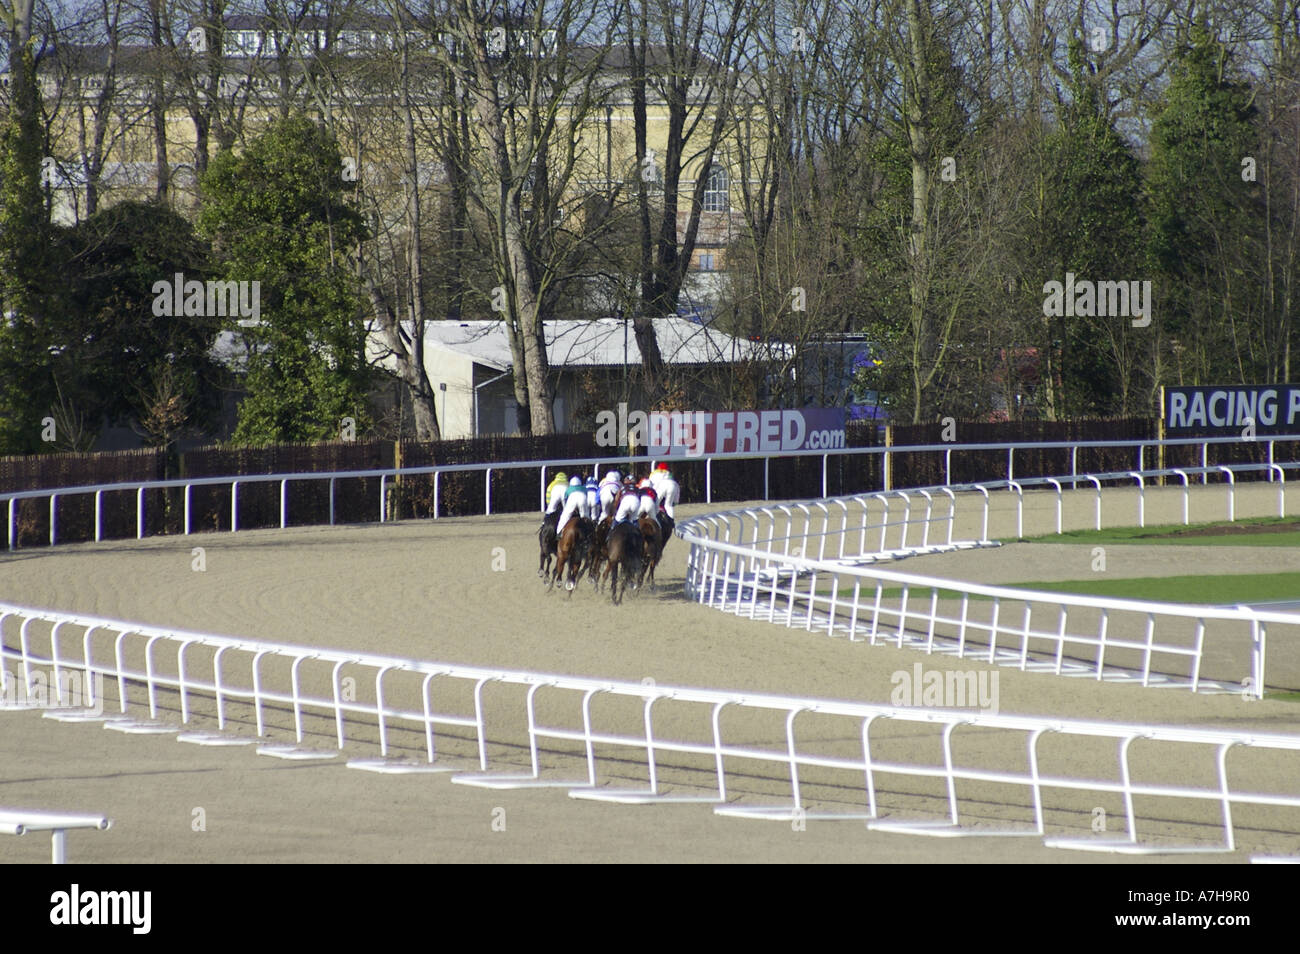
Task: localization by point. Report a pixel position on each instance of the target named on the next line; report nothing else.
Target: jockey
(629, 501)
(648, 505)
(609, 491)
(593, 495)
(670, 493)
(555, 492)
(575, 503)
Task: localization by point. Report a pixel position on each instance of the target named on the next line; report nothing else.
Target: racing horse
(667, 524)
(624, 548)
(571, 552)
(548, 542)
(597, 552)
(652, 536)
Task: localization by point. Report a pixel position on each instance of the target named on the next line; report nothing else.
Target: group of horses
(623, 554)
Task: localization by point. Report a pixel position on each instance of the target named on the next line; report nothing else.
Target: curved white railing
(793, 562)
(405, 706)
(827, 748)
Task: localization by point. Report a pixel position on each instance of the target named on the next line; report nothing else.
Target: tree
(277, 218)
(1202, 214)
(682, 59)
(407, 352)
(933, 128)
(115, 356)
(1093, 225)
(531, 89)
(27, 267)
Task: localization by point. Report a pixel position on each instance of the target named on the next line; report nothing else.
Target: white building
(469, 365)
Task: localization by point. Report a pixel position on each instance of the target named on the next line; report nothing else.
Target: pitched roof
(598, 343)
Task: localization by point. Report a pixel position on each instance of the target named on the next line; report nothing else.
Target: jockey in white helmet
(610, 488)
(575, 503)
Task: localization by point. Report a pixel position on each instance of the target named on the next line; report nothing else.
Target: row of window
(254, 42)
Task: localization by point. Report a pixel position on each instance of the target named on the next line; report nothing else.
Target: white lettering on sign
(1232, 407)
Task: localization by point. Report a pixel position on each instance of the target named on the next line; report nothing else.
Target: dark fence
(926, 468)
(77, 513)
(357, 499)
(513, 491)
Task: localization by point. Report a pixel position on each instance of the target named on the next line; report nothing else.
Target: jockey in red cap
(670, 493)
(649, 506)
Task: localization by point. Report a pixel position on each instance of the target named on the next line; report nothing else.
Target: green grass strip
(1208, 590)
(1157, 536)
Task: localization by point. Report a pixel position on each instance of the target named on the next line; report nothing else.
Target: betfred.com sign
(1223, 410)
(698, 433)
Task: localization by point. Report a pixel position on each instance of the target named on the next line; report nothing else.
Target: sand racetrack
(428, 590)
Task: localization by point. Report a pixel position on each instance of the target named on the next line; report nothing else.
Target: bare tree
(682, 60)
(532, 82)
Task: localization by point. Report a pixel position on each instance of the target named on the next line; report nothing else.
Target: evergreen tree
(277, 216)
(118, 357)
(27, 267)
(1093, 229)
(1201, 212)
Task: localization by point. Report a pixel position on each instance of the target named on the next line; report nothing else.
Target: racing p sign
(698, 433)
(1223, 410)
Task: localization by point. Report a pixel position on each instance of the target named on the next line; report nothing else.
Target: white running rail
(15, 821)
(809, 565)
(835, 759)
(10, 501)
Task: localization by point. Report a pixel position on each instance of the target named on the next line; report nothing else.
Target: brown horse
(667, 524)
(624, 548)
(597, 551)
(572, 551)
(546, 538)
(652, 536)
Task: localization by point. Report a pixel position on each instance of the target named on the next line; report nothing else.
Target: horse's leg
(559, 568)
(571, 582)
(647, 554)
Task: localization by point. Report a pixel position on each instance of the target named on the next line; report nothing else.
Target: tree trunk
(916, 111)
(158, 109)
(426, 419)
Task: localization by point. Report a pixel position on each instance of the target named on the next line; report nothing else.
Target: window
(715, 193)
(706, 261)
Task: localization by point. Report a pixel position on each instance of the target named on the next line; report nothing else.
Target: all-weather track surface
(436, 590)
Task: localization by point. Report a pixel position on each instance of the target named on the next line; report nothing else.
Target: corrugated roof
(596, 343)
